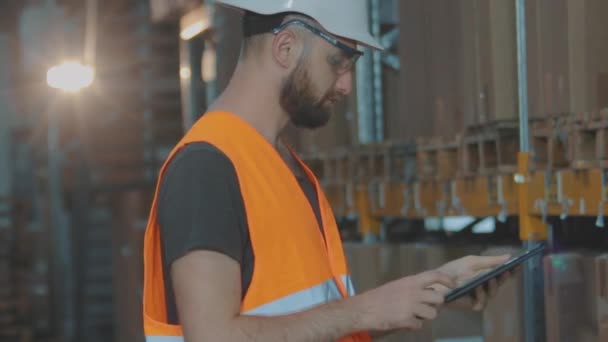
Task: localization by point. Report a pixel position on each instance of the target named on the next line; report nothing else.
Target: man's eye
(336, 60)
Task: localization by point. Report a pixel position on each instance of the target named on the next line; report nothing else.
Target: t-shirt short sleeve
(200, 207)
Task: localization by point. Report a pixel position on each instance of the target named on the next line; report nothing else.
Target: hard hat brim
(361, 36)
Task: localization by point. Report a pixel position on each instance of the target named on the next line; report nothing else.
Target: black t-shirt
(200, 207)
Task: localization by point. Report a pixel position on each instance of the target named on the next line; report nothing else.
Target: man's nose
(344, 84)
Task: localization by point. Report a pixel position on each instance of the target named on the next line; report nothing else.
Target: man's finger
(414, 324)
(480, 299)
(432, 297)
(493, 288)
(426, 312)
(503, 279)
(442, 290)
(435, 277)
(481, 263)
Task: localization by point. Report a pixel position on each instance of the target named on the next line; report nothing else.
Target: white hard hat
(344, 18)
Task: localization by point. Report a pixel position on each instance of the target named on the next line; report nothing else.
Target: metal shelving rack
(481, 174)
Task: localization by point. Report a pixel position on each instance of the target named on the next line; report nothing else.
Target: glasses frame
(350, 52)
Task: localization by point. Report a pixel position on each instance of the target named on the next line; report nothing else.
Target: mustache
(330, 97)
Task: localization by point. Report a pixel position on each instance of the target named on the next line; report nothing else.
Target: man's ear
(285, 49)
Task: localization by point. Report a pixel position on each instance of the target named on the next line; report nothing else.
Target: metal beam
(531, 228)
(6, 117)
(391, 60)
(522, 72)
(377, 71)
(61, 233)
(365, 100)
(390, 38)
(192, 86)
(370, 101)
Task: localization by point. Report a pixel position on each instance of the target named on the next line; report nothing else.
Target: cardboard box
(593, 324)
(601, 296)
(363, 261)
(503, 317)
(566, 310)
(400, 261)
(576, 305)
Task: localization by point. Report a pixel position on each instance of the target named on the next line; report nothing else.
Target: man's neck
(255, 102)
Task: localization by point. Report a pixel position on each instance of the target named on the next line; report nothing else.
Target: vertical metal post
(6, 117)
(377, 71)
(534, 320)
(370, 117)
(365, 104)
(192, 87)
(522, 73)
(62, 242)
(210, 56)
(209, 72)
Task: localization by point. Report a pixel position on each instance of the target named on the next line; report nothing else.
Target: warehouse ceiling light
(192, 30)
(193, 23)
(70, 76)
(185, 73)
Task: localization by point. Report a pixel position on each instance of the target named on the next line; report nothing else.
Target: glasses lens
(347, 63)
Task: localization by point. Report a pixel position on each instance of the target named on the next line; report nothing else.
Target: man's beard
(299, 101)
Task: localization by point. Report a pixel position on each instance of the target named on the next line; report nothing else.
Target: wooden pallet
(437, 159)
(370, 162)
(402, 162)
(550, 143)
(337, 175)
(589, 138)
(490, 148)
(393, 164)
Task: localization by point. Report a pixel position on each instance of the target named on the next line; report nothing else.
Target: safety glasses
(351, 55)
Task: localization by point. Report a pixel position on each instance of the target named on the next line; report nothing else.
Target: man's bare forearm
(329, 322)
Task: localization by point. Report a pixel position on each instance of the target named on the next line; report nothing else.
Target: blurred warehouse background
(422, 164)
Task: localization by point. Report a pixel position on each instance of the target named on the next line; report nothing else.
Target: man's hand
(469, 267)
(208, 294)
(405, 303)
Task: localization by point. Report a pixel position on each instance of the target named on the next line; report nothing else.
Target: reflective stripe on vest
(348, 282)
(303, 300)
(164, 339)
(300, 301)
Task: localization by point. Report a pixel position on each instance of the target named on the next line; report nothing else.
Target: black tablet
(482, 279)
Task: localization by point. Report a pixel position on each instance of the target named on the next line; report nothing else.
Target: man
(241, 244)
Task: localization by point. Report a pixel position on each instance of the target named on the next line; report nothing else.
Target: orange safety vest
(296, 268)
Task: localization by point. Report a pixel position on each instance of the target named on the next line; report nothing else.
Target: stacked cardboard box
(575, 300)
(590, 315)
(599, 299)
(503, 317)
(572, 287)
